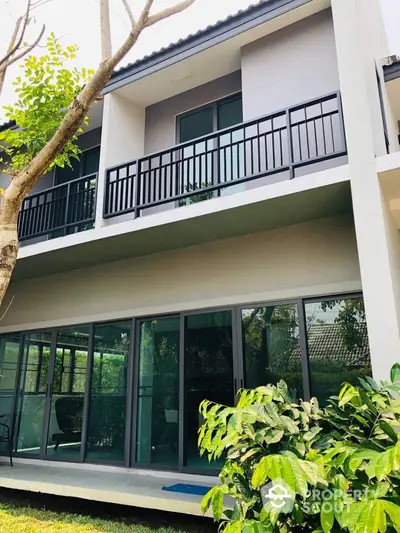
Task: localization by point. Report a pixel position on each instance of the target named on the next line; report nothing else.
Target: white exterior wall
(122, 140)
(293, 65)
(288, 67)
(308, 259)
(359, 40)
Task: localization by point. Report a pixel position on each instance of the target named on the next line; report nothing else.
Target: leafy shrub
(341, 463)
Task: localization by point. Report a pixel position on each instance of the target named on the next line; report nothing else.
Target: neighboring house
(238, 189)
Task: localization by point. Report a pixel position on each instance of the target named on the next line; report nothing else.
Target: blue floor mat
(199, 490)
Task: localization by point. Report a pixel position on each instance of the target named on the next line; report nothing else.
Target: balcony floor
(105, 484)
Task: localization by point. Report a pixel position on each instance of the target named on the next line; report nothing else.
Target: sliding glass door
(33, 393)
(108, 393)
(158, 392)
(128, 392)
(67, 394)
(209, 375)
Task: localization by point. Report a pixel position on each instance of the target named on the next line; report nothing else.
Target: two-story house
(233, 221)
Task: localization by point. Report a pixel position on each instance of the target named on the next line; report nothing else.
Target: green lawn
(15, 519)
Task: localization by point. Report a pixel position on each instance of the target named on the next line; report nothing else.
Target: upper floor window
(209, 118)
(88, 164)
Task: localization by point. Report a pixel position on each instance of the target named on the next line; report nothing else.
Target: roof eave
(211, 36)
(392, 70)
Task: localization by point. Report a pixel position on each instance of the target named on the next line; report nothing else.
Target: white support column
(359, 40)
(122, 140)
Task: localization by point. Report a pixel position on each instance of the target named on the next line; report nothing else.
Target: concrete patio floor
(136, 488)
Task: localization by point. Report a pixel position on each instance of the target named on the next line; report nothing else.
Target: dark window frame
(133, 366)
(214, 105)
(81, 166)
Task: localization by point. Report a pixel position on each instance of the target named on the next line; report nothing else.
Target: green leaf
(294, 472)
(360, 456)
(347, 393)
(384, 463)
(273, 436)
(327, 516)
(395, 373)
(248, 454)
(206, 501)
(283, 389)
(298, 514)
(387, 428)
(218, 505)
(310, 435)
(260, 473)
(369, 516)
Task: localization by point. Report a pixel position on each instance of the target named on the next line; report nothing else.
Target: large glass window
(32, 391)
(68, 393)
(158, 393)
(107, 415)
(338, 348)
(208, 374)
(271, 347)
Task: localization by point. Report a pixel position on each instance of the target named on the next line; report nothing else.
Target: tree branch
(12, 41)
(25, 51)
(144, 16)
(129, 11)
(25, 180)
(105, 30)
(39, 3)
(168, 12)
(15, 47)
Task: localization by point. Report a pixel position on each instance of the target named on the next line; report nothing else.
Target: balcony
(60, 210)
(226, 161)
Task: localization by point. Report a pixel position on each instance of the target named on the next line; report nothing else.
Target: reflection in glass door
(31, 395)
(107, 413)
(68, 393)
(158, 393)
(209, 372)
(271, 347)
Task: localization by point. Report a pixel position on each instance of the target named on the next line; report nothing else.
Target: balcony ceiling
(179, 75)
(187, 226)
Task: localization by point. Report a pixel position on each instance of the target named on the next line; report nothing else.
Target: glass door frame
(237, 375)
(19, 393)
(48, 394)
(237, 384)
(133, 378)
(53, 331)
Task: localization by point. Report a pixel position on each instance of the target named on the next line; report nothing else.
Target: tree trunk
(24, 181)
(2, 78)
(8, 242)
(105, 30)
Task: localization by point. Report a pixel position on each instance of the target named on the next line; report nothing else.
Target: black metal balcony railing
(284, 141)
(59, 210)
